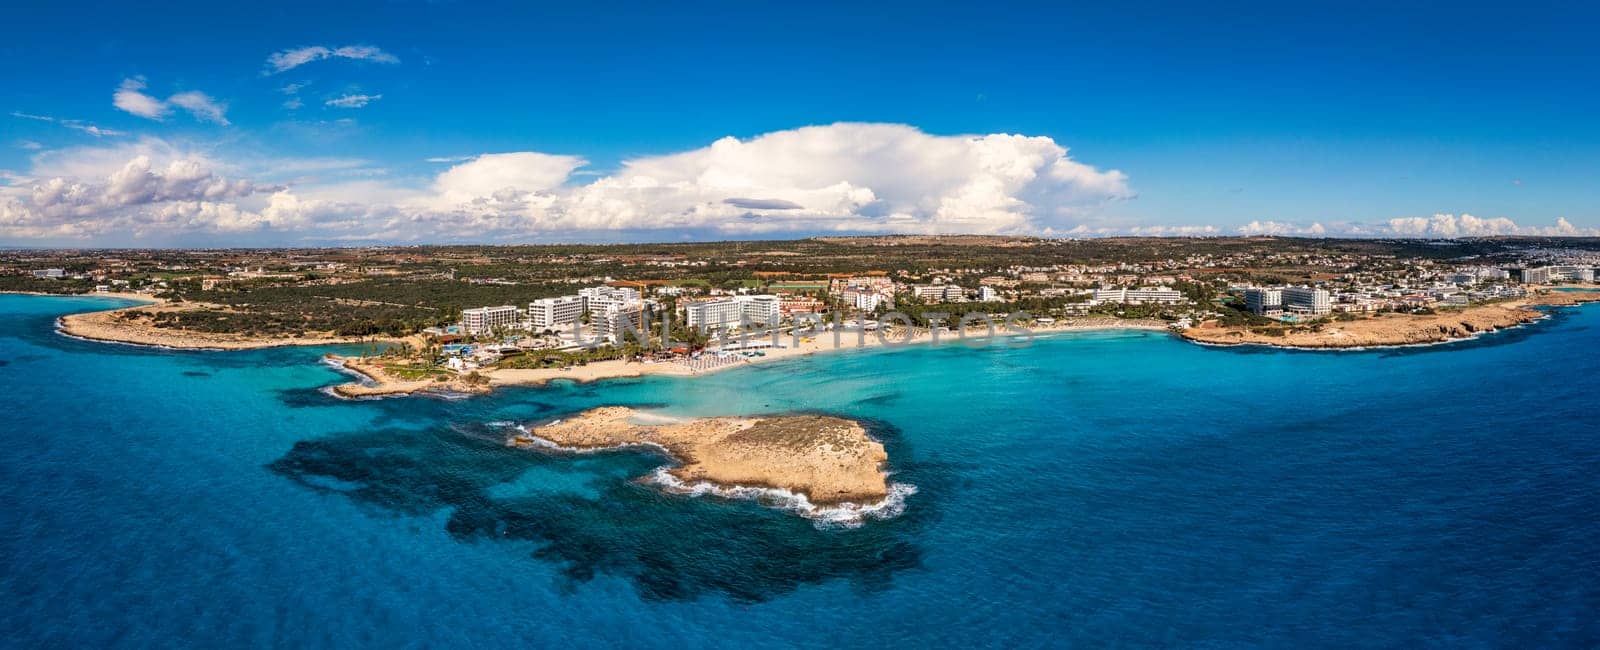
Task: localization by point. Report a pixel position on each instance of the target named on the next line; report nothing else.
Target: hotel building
(1307, 300)
(1263, 301)
(484, 320)
(554, 312)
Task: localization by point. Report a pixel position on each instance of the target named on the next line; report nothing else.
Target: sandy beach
(1387, 330)
(829, 460)
(823, 343)
(136, 325)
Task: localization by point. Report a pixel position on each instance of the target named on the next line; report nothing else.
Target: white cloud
(840, 177)
(91, 195)
(29, 145)
(1449, 225)
(833, 178)
(293, 58)
(846, 177)
(1174, 231)
(1279, 228)
(76, 125)
(352, 101)
(290, 89)
(130, 97)
(1439, 226)
(489, 175)
(202, 106)
(294, 104)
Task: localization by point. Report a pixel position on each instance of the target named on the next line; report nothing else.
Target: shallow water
(1094, 489)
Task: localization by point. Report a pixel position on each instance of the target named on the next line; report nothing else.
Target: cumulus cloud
(131, 98)
(846, 177)
(1282, 229)
(139, 193)
(352, 101)
(1438, 226)
(840, 177)
(1449, 225)
(295, 57)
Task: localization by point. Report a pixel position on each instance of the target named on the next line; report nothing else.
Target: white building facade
(554, 312)
(484, 320)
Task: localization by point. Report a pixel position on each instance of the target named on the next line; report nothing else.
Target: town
(463, 309)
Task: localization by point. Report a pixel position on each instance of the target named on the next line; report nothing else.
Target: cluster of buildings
(1549, 274)
(867, 293)
(1138, 296)
(611, 310)
(1273, 301)
(731, 311)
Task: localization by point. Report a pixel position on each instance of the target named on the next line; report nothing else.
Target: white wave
(843, 515)
(339, 365)
(526, 435)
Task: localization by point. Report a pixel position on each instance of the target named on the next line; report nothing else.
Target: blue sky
(1347, 118)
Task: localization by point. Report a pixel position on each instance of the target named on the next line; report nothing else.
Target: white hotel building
(1140, 296)
(550, 313)
(727, 312)
(615, 318)
(484, 320)
(1307, 300)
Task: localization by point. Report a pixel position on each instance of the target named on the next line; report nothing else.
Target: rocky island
(830, 461)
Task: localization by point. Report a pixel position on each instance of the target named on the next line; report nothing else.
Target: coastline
(1400, 330)
(376, 382)
(821, 467)
(109, 326)
(620, 369)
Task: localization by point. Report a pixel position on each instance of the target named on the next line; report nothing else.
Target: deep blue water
(1099, 489)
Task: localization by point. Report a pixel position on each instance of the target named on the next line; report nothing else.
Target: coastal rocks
(376, 381)
(1395, 329)
(827, 460)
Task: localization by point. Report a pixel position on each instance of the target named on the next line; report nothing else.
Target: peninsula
(829, 460)
(147, 325)
(1393, 329)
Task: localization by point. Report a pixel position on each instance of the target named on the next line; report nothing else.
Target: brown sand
(830, 460)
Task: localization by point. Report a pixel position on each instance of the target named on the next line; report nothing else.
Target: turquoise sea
(1101, 489)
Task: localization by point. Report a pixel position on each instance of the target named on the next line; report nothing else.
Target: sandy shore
(1387, 330)
(615, 369)
(136, 325)
(829, 460)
